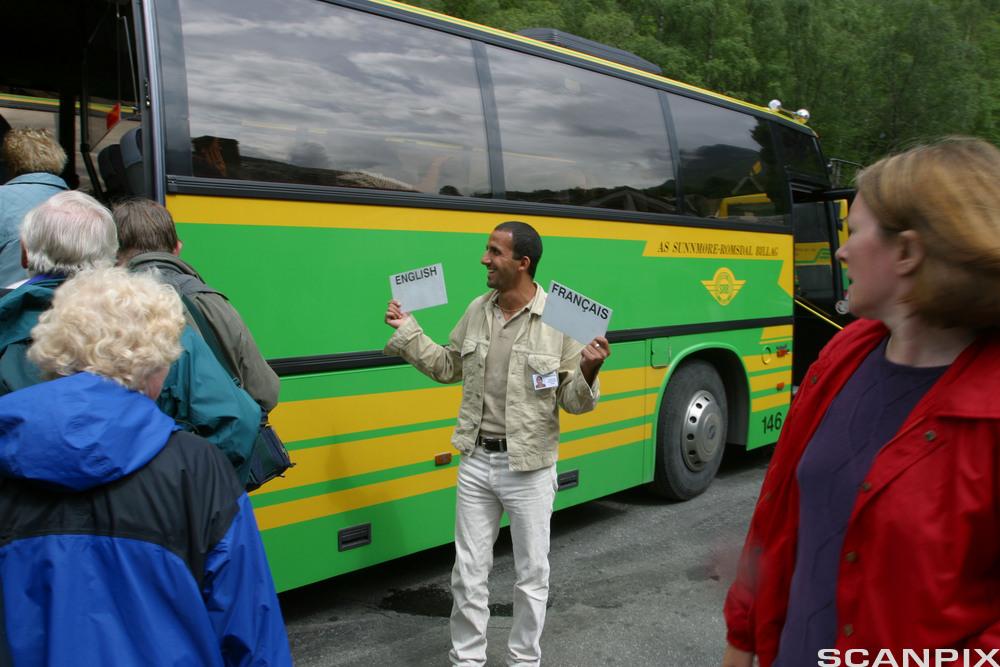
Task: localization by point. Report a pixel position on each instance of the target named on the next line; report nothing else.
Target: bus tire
(691, 435)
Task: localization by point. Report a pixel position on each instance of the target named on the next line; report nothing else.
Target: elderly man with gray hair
(67, 234)
(72, 232)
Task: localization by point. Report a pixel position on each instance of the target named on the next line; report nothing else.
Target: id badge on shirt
(545, 381)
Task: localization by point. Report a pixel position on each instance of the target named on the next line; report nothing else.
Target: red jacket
(920, 565)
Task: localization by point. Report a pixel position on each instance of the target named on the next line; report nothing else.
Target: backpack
(269, 457)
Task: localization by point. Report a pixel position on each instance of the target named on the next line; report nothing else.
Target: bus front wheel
(691, 434)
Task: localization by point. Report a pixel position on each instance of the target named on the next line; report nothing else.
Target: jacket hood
(79, 432)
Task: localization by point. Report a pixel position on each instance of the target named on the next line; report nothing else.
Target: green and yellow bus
(308, 149)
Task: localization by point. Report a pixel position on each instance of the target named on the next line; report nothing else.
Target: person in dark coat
(123, 540)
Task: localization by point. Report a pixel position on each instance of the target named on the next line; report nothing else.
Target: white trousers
(486, 488)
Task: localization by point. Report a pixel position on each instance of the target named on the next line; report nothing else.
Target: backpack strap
(208, 333)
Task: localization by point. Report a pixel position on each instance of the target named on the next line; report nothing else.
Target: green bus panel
(307, 552)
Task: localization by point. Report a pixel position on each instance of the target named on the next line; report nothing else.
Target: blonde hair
(949, 193)
(28, 150)
(68, 233)
(122, 326)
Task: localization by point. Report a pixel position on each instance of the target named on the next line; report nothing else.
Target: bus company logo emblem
(723, 286)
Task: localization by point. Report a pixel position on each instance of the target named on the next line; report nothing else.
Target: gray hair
(68, 233)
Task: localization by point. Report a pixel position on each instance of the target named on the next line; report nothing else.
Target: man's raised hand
(592, 356)
(394, 315)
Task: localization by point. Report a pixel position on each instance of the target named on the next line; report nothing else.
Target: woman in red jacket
(878, 525)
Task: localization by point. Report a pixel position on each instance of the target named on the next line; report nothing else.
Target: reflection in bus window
(306, 92)
(747, 206)
(813, 253)
(571, 136)
(727, 155)
(801, 153)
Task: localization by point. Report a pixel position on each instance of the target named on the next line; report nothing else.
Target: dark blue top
(865, 415)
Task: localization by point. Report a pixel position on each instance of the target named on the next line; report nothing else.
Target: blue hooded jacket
(18, 196)
(124, 541)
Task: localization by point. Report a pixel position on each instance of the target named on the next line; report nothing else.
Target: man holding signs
(517, 372)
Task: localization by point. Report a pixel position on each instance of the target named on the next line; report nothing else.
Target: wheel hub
(702, 432)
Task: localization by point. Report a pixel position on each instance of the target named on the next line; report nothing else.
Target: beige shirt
(502, 334)
(532, 416)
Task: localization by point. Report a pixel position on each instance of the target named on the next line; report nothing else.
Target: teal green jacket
(198, 393)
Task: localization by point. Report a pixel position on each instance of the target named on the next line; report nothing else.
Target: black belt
(492, 444)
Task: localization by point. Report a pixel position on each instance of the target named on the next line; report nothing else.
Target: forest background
(876, 75)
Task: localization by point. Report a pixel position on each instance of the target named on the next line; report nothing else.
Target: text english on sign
(419, 288)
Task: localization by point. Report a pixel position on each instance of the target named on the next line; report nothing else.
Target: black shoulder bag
(269, 457)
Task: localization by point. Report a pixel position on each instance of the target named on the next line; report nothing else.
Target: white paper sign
(574, 314)
(420, 288)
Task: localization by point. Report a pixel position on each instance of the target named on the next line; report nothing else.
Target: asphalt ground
(635, 581)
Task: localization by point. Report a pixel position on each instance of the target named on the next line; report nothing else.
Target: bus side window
(728, 169)
(571, 136)
(357, 100)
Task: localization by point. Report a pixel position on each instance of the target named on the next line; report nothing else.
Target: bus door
(819, 279)
(84, 89)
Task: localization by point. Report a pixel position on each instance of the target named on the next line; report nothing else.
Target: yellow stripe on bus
(316, 418)
(695, 243)
(324, 417)
(197, 209)
(597, 443)
(329, 462)
(297, 511)
(757, 363)
(654, 376)
(620, 381)
(691, 242)
(780, 333)
(768, 402)
(605, 413)
(347, 459)
(771, 381)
